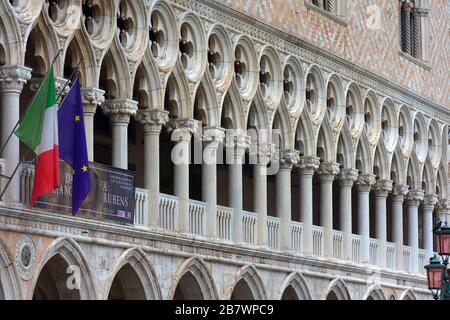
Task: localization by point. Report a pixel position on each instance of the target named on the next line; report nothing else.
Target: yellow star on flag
(77, 118)
(84, 168)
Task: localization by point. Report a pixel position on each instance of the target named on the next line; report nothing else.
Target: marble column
(307, 167)
(119, 112)
(346, 179)
(212, 138)
(398, 198)
(364, 183)
(12, 80)
(288, 159)
(152, 122)
(92, 98)
(429, 203)
(327, 173)
(264, 155)
(182, 131)
(406, 26)
(382, 189)
(414, 197)
(236, 146)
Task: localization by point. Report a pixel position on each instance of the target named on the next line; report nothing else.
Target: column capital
(92, 98)
(60, 85)
(430, 201)
(265, 152)
(382, 188)
(308, 165)
(414, 197)
(288, 158)
(442, 205)
(365, 182)
(13, 78)
(152, 120)
(347, 177)
(120, 110)
(237, 143)
(328, 171)
(213, 136)
(399, 192)
(182, 129)
(407, 5)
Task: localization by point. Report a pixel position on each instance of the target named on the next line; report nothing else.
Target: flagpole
(23, 114)
(74, 72)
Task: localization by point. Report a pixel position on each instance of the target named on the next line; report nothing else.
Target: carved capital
(328, 171)
(60, 85)
(414, 197)
(442, 205)
(152, 120)
(407, 5)
(213, 136)
(120, 111)
(399, 192)
(182, 129)
(13, 78)
(265, 151)
(430, 201)
(92, 98)
(308, 165)
(347, 178)
(288, 159)
(236, 144)
(365, 182)
(382, 188)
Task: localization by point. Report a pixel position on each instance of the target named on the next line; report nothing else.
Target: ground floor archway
(242, 291)
(126, 285)
(188, 288)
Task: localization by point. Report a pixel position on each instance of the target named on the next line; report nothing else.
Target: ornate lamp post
(438, 275)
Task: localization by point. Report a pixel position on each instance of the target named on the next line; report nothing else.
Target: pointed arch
(248, 278)
(413, 178)
(67, 251)
(441, 183)
(408, 295)
(381, 163)
(11, 52)
(136, 261)
(148, 90)
(299, 286)
(304, 136)
(206, 103)
(232, 116)
(326, 150)
(177, 89)
(257, 119)
(9, 280)
(374, 292)
(337, 290)
(398, 168)
(429, 177)
(199, 272)
(345, 153)
(281, 122)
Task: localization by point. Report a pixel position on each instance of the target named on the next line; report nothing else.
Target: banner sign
(112, 195)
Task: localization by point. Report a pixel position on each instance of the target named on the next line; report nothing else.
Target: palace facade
(282, 149)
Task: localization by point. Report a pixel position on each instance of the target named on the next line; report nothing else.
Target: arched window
(334, 9)
(414, 29)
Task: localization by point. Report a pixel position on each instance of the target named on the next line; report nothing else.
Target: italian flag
(39, 132)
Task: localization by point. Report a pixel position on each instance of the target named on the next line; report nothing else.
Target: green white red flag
(39, 132)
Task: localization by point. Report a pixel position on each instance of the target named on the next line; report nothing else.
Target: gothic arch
(257, 119)
(315, 84)
(196, 268)
(398, 168)
(381, 163)
(326, 150)
(281, 122)
(441, 183)
(147, 86)
(206, 102)
(374, 292)
(354, 109)
(408, 295)
(137, 261)
(335, 102)
(413, 179)
(298, 284)
(9, 281)
(337, 290)
(345, 153)
(305, 142)
(429, 177)
(10, 38)
(363, 156)
(231, 110)
(69, 252)
(249, 277)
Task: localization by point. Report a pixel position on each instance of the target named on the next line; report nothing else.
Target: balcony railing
(224, 223)
(168, 220)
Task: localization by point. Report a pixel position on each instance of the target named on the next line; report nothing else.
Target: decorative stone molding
(265, 152)
(288, 159)
(237, 144)
(430, 201)
(365, 182)
(382, 188)
(13, 78)
(92, 98)
(308, 165)
(442, 206)
(328, 171)
(399, 192)
(414, 197)
(60, 85)
(182, 129)
(120, 111)
(347, 178)
(152, 120)
(25, 256)
(213, 136)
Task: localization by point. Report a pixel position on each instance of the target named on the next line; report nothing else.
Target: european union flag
(72, 144)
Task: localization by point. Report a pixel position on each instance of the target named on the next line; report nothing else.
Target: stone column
(327, 173)
(307, 167)
(236, 146)
(429, 202)
(346, 179)
(260, 191)
(12, 80)
(399, 193)
(382, 188)
(152, 122)
(119, 112)
(365, 183)
(414, 197)
(92, 98)
(406, 26)
(182, 131)
(212, 137)
(288, 159)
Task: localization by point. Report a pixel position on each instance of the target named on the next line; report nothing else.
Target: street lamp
(437, 272)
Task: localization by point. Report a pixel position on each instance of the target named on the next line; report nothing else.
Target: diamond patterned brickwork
(374, 49)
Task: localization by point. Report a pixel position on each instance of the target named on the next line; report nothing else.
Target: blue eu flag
(72, 144)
